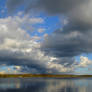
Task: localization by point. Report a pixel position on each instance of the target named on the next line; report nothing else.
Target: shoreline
(42, 76)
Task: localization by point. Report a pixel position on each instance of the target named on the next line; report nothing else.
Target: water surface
(45, 85)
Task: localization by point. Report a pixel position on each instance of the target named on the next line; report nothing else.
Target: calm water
(45, 85)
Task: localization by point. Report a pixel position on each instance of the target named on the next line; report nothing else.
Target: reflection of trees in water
(44, 85)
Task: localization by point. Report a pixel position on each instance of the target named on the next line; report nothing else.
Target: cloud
(84, 61)
(21, 50)
(13, 4)
(79, 12)
(74, 39)
(68, 44)
(16, 44)
(51, 6)
(79, 25)
(5, 69)
(41, 30)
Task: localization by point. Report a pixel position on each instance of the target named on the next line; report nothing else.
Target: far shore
(42, 76)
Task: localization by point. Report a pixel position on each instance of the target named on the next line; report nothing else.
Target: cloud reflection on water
(45, 85)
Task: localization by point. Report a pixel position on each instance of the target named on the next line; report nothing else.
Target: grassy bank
(43, 75)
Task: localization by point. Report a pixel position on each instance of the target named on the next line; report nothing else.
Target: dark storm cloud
(13, 4)
(33, 65)
(75, 38)
(51, 6)
(78, 12)
(68, 44)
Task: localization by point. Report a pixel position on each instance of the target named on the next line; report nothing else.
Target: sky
(46, 36)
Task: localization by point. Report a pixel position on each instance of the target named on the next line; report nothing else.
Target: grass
(42, 75)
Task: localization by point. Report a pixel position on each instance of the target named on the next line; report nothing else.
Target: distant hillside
(42, 75)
